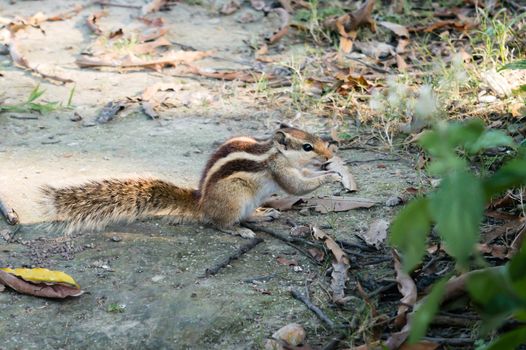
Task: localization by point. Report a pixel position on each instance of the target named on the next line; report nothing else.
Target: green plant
(30, 105)
(116, 308)
(456, 208)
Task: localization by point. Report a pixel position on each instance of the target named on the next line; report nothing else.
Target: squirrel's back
(94, 205)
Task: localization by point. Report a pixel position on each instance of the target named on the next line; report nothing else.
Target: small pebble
(293, 334)
(393, 201)
(487, 99)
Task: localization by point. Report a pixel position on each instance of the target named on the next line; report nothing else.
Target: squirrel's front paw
(333, 177)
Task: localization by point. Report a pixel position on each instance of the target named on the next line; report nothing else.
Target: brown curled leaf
(43, 70)
(282, 203)
(287, 262)
(340, 265)
(152, 34)
(284, 27)
(150, 47)
(407, 288)
(338, 165)
(152, 6)
(93, 19)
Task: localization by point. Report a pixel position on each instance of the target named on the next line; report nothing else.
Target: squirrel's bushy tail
(93, 205)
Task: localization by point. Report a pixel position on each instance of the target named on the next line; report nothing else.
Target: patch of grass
(116, 308)
(31, 104)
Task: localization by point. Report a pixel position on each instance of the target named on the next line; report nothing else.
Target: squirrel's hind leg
(228, 203)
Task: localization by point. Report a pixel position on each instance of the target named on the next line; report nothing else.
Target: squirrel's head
(302, 148)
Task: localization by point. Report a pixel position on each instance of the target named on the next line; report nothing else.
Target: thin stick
(317, 311)
(450, 341)
(382, 289)
(114, 4)
(9, 213)
(288, 240)
(240, 251)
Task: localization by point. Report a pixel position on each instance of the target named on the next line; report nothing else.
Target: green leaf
(446, 138)
(514, 65)
(457, 208)
(490, 139)
(36, 93)
(516, 269)
(511, 174)
(493, 292)
(424, 314)
(409, 232)
(510, 340)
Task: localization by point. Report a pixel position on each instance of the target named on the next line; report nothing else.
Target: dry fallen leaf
(317, 254)
(340, 265)
(496, 250)
(152, 6)
(40, 282)
(497, 83)
(347, 25)
(151, 46)
(284, 26)
(350, 82)
(377, 233)
(407, 288)
(398, 29)
(338, 165)
(375, 49)
(152, 34)
(282, 203)
(92, 21)
(18, 58)
(287, 262)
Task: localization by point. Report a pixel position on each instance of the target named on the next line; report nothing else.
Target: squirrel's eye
(307, 147)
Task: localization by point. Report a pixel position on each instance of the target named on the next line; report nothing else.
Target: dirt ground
(150, 270)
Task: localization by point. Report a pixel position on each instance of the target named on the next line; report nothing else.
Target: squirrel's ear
(281, 137)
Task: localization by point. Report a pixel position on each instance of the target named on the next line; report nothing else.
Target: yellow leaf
(41, 275)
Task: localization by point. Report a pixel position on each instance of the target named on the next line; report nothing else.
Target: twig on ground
(114, 4)
(373, 67)
(450, 341)
(224, 262)
(317, 311)
(10, 214)
(433, 260)
(288, 240)
(382, 289)
(452, 321)
(24, 117)
(377, 261)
